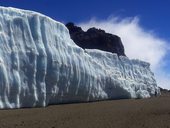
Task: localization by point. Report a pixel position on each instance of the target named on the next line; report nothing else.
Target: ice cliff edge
(41, 65)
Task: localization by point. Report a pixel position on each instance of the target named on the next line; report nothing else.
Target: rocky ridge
(95, 38)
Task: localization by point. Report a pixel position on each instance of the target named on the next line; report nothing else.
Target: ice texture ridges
(41, 65)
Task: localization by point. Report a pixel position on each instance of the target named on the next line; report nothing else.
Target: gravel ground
(141, 113)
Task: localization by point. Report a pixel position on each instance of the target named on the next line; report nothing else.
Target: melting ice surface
(41, 65)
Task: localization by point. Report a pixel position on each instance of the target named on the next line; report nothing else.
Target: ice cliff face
(41, 65)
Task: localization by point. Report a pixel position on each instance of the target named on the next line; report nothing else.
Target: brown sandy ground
(141, 113)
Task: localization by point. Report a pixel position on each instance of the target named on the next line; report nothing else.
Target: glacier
(41, 65)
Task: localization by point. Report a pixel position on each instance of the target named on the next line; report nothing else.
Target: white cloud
(138, 42)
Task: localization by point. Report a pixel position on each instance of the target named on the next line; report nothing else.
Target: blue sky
(145, 21)
(153, 14)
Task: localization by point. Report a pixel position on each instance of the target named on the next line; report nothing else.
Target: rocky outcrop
(96, 39)
(162, 90)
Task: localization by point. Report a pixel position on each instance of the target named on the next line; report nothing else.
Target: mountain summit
(96, 39)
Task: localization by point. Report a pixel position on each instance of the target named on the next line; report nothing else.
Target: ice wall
(41, 65)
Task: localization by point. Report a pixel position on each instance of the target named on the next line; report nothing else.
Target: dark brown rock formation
(96, 39)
